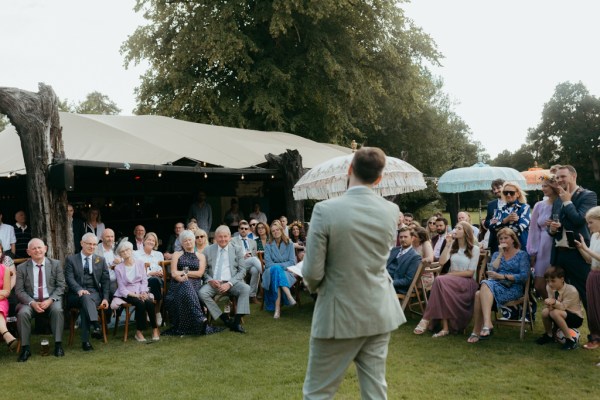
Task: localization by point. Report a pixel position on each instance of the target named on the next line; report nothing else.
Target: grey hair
(124, 245)
(187, 234)
(89, 236)
(223, 229)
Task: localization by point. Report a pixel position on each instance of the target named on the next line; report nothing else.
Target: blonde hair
(284, 238)
(593, 213)
(521, 195)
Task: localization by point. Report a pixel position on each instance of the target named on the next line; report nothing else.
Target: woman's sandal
(12, 345)
(591, 345)
(473, 338)
(441, 333)
(421, 327)
(486, 333)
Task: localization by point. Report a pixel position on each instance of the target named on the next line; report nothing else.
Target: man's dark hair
(368, 163)
(444, 220)
(497, 182)
(408, 215)
(554, 272)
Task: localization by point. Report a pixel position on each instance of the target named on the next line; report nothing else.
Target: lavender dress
(539, 242)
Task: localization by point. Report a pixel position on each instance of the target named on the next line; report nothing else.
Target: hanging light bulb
(159, 174)
(242, 176)
(272, 176)
(106, 172)
(205, 175)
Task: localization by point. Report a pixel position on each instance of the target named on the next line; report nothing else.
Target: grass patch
(270, 362)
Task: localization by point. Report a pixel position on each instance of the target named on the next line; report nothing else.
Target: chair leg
(103, 322)
(117, 317)
(73, 317)
(127, 316)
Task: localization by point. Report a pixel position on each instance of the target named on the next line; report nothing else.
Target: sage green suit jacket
(345, 263)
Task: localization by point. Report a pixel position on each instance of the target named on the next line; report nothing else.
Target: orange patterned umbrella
(532, 177)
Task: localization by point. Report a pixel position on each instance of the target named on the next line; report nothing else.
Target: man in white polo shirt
(9, 240)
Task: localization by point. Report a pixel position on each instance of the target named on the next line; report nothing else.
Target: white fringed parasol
(330, 179)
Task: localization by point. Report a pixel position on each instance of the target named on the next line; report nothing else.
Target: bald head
(108, 238)
(37, 250)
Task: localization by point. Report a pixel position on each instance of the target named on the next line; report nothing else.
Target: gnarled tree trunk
(290, 165)
(35, 117)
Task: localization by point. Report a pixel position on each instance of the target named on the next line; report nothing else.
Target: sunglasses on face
(244, 229)
(509, 192)
(431, 222)
(200, 236)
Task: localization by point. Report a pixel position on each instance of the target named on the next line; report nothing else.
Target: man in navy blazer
(89, 286)
(491, 212)
(403, 262)
(572, 204)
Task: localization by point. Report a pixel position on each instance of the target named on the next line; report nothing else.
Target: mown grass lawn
(270, 361)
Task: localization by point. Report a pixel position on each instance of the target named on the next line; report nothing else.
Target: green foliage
(3, 122)
(569, 132)
(328, 70)
(94, 103)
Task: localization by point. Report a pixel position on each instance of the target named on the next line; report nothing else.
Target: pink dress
(4, 302)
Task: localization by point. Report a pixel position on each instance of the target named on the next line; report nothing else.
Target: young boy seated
(562, 307)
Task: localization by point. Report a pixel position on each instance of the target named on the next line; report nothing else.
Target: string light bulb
(159, 174)
(243, 177)
(205, 175)
(106, 171)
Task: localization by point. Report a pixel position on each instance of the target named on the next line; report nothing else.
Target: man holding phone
(572, 204)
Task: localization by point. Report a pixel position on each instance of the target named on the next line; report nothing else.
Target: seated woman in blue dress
(183, 301)
(279, 254)
(507, 274)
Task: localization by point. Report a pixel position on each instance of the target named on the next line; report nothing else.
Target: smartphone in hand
(570, 238)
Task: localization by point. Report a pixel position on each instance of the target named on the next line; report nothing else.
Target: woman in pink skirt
(451, 299)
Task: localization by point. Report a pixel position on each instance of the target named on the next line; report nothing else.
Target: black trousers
(576, 270)
(143, 308)
(155, 285)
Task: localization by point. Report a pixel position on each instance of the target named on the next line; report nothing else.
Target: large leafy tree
(94, 103)
(329, 70)
(569, 132)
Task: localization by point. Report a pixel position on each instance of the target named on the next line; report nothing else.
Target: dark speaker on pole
(62, 177)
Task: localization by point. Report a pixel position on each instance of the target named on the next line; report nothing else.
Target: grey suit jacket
(251, 244)
(74, 274)
(236, 260)
(55, 281)
(345, 261)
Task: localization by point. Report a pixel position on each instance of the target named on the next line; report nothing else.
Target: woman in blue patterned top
(507, 274)
(515, 214)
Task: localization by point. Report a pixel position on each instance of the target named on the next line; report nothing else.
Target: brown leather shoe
(254, 300)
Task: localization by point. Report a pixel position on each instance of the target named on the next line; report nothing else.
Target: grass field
(269, 362)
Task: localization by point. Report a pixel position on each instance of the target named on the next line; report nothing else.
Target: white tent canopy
(155, 140)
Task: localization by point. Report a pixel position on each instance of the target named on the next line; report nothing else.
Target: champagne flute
(555, 218)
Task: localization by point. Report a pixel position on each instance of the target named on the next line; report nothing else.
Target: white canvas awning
(155, 140)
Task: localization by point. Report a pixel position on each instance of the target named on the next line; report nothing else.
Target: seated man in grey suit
(225, 274)
(89, 286)
(403, 261)
(39, 289)
(251, 262)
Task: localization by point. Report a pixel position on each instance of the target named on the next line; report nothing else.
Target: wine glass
(555, 218)
(186, 270)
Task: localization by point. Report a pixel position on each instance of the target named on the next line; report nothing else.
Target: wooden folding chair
(166, 266)
(484, 259)
(524, 301)
(413, 293)
(434, 269)
(74, 313)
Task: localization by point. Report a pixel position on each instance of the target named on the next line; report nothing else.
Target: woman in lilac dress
(539, 241)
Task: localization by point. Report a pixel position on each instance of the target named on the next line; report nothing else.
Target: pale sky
(502, 59)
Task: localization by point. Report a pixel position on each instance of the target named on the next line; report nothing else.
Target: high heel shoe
(277, 314)
(12, 345)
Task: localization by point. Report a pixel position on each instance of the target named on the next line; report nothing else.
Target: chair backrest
(484, 258)
(412, 289)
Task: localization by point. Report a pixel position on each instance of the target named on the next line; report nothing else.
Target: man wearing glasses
(493, 208)
(252, 234)
(89, 285)
(251, 262)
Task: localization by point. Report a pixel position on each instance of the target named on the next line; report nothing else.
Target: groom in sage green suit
(345, 263)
